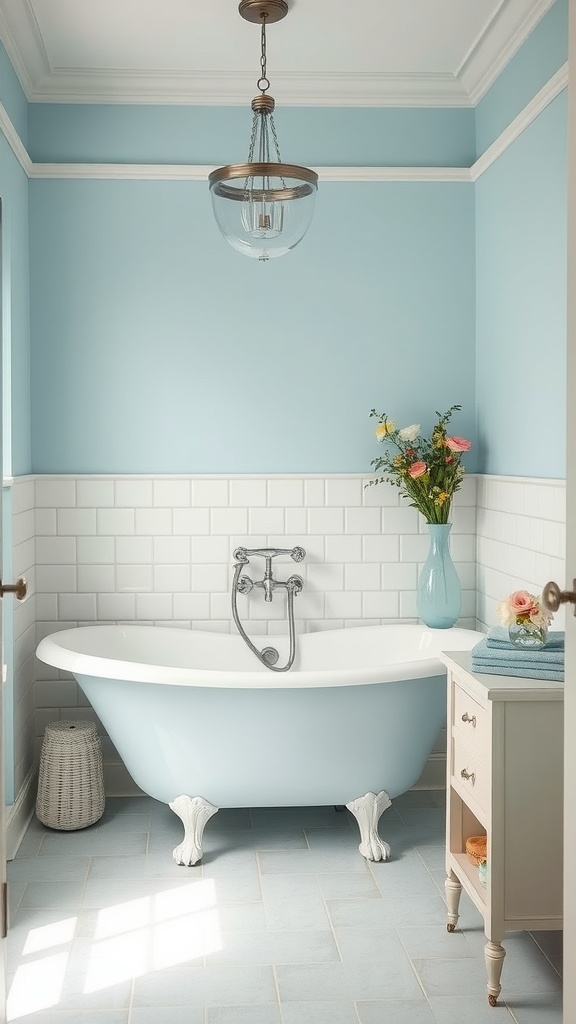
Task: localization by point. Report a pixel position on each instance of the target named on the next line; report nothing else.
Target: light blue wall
(212, 135)
(540, 57)
(15, 314)
(12, 96)
(15, 295)
(157, 348)
(521, 303)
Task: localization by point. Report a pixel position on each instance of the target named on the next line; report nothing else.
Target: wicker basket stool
(71, 780)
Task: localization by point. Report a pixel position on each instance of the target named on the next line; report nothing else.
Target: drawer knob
(469, 718)
(469, 776)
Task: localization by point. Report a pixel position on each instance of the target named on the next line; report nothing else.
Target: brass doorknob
(553, 597)
(20, 588)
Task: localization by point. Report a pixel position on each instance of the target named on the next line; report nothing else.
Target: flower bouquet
(427, 470)
(526, 618)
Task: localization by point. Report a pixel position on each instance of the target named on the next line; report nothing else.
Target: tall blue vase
(438, 596)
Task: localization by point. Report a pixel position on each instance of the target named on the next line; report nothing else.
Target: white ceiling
(325, 52)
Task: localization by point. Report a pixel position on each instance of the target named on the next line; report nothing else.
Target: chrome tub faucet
(268, 584)
(244, 584)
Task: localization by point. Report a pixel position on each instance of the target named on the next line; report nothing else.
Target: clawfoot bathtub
(200, 724)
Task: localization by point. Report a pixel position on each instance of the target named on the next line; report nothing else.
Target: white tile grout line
(273, 966)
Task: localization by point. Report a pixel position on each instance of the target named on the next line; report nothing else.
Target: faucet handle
(240, 555)
(244, 585)
(243, 554)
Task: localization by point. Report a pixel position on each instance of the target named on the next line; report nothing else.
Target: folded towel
(514, 670)
(497, 636)
(529, 656)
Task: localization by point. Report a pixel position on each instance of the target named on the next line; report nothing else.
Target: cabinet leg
(494, 954)
(453, 893)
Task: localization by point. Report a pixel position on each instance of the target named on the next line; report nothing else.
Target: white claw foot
(194, 812)
(367, 810)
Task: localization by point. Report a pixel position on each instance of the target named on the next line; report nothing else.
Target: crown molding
(495, 47)
(199, 172)
(23, 42)
(541, 100)
(489, 54)
(15, 142)
(220, 88)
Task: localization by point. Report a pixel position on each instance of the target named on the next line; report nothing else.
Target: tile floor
(283, 923)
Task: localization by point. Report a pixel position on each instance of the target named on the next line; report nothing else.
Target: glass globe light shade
(263, 209)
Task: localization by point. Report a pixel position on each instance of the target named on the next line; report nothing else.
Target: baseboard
(434, 774)
(117, 781)
(18, 815)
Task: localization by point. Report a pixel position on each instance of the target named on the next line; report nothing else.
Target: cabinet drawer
(470, 775)
(471, 724)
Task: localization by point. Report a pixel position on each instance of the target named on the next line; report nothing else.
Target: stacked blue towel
(497, 636)
(496, 656)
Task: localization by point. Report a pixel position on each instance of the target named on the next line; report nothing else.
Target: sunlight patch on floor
(131, 939)
(153, 932)
(37, 986)
(49, 935)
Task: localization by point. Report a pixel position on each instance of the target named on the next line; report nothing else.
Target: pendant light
(263, 207)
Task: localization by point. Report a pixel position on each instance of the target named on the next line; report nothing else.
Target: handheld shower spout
(244, 584)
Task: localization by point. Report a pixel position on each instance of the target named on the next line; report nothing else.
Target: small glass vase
(527, 635)
(438, 595)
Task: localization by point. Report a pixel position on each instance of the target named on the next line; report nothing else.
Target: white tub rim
(52, 649)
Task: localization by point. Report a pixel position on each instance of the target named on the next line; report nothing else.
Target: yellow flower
(384, 428)
(441, 498)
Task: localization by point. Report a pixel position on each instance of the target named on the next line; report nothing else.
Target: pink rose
(458, 444)
(522, 603)
(540, 617)
(417, 469)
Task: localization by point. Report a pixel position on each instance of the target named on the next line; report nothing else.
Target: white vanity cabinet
(504, 779)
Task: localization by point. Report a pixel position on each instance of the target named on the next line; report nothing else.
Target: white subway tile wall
(19, 620)
(160, 550)
(521, 540)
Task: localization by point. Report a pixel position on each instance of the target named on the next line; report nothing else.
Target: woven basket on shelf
(476, 849)
(71, 781)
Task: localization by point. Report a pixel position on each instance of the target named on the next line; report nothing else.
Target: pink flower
(522, 603)
(523, 608)
(458, 444)
(417, 469)
(540, 617)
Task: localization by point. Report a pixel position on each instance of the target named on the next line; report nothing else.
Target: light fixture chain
(253, 137)
(263, 84)
(275, 137)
